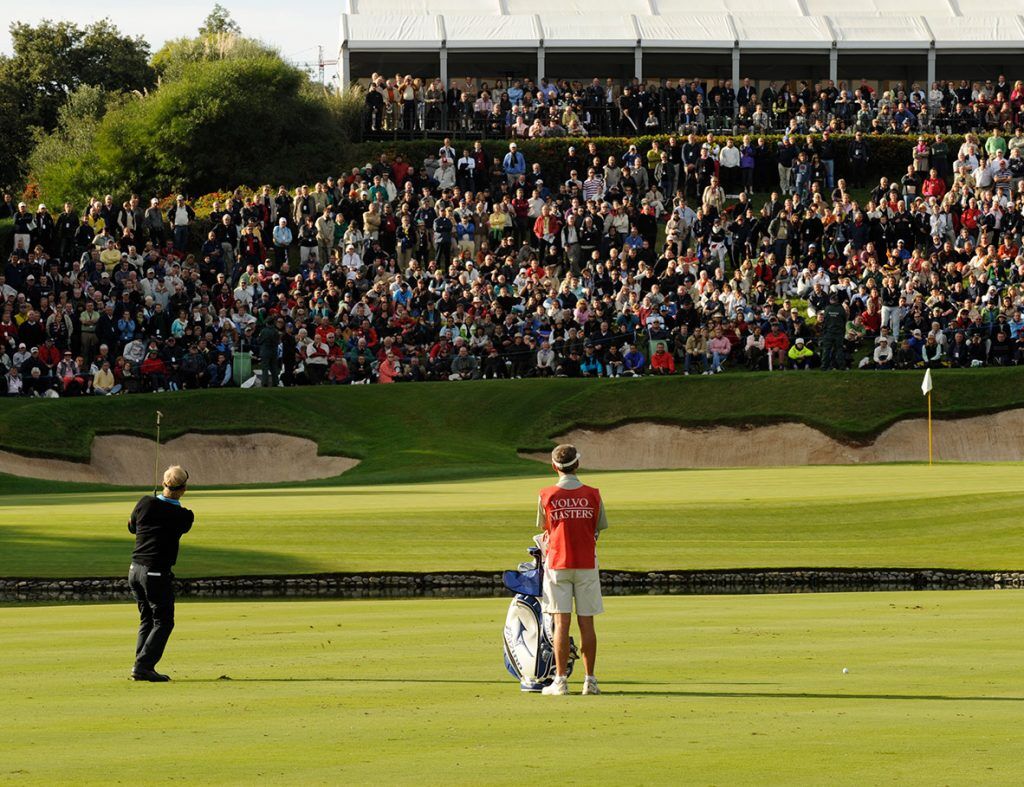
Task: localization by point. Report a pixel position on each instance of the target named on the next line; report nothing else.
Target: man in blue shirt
(514, 164)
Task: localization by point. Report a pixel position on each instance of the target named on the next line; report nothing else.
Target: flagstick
(929, 429)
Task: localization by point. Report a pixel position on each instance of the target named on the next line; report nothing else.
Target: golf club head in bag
(528, 636)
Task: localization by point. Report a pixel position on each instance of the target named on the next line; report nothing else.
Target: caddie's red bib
(570, 519)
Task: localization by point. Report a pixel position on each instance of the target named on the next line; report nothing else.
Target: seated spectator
(662, 362)
(800, 355)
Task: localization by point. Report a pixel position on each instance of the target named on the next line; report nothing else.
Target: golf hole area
(654, 446)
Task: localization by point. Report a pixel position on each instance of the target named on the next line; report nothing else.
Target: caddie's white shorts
(563, 585)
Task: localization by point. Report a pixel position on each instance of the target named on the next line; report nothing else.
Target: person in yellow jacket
(800, 354)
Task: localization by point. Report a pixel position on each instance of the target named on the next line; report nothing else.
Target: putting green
(947, 516)
(726, 690)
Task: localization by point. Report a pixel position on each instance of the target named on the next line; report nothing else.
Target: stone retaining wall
(488, 584)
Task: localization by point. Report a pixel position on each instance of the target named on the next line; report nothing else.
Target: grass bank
(911, 516)
(447, 431)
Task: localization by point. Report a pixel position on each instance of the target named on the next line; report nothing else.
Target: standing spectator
(514, 164)
(180, 216)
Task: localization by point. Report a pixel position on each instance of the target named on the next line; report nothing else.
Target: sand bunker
(211, 460)
(649, 446)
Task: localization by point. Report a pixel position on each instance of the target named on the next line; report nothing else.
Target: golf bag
(529, 632)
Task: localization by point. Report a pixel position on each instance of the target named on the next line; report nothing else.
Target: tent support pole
(931, 76)
(735, 66)
(833, 65)
(344, 69)
(443, 65)
(540, 63)
(638, 63)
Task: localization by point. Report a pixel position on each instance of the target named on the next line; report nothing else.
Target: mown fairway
(947, 516)
(723, 690)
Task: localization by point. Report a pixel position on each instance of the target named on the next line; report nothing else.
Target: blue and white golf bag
(529, 632)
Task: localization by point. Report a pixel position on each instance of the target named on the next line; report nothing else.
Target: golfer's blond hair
(175, 476)
(566, 456)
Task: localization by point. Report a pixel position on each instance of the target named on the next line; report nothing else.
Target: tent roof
(469, 31)
(680, 30)
(880, 32)
(682, 24)
(584, 32)
(976, 32)
(765, 31)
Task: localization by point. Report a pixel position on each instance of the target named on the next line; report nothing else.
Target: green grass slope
(443, 431)
(947, 516)
(722, 690)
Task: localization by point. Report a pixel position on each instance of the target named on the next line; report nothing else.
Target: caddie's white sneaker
(590, 685)
(558, 686)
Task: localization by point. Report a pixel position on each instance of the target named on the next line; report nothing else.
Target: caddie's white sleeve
(602, 519)
(540, 513)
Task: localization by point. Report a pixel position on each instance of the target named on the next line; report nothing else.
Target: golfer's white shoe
(558, 686)
(590, 685)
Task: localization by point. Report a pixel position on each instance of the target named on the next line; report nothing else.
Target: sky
(293, 28)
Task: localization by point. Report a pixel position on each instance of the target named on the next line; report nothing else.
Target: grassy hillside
(911, 515)
(443, 431)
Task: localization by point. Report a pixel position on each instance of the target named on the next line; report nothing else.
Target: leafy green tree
(63, 160)
(221, 123)
(52, 59)
(174, 56)
(15, 137)
(219, 22)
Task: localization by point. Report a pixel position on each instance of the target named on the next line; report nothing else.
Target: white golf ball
(845, 671)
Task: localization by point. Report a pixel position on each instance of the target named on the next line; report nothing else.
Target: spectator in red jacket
(934, 186)
(662, 361)
(546, 229)
(154, 371)
(49, 354)
(776, 345)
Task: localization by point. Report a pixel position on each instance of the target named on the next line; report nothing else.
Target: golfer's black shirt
(158, 526)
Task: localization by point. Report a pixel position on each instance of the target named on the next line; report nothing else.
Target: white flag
(926, 383)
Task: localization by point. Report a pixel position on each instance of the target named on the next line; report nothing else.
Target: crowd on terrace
(557, 108)
(695, 256)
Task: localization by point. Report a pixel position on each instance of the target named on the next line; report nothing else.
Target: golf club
(156, 464)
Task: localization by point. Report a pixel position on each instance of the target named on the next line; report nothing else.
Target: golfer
(158, 522)
(572, 516)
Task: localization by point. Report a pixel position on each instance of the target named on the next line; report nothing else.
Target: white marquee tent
(672, 38)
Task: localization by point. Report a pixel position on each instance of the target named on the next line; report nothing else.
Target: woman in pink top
(719, 347)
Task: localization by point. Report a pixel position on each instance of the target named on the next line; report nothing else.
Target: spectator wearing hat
(514, 164)
(800, 355)
(883, 356)
(180, 216)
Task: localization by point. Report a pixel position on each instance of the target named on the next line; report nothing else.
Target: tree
(62, 161)
(53, 59)
(242, 120)
(176, 55)
(13, 130)
(219, 22)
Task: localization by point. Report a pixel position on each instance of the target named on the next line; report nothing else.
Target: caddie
(572, 516)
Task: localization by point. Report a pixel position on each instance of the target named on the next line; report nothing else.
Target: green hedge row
(6, 236)
(890, 154)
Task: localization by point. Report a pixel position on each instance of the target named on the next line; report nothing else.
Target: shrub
(222, 122)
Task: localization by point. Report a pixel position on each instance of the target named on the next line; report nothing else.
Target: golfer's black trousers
(154, 593)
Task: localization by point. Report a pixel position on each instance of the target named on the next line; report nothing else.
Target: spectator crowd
(558, 108)
(621, 261)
